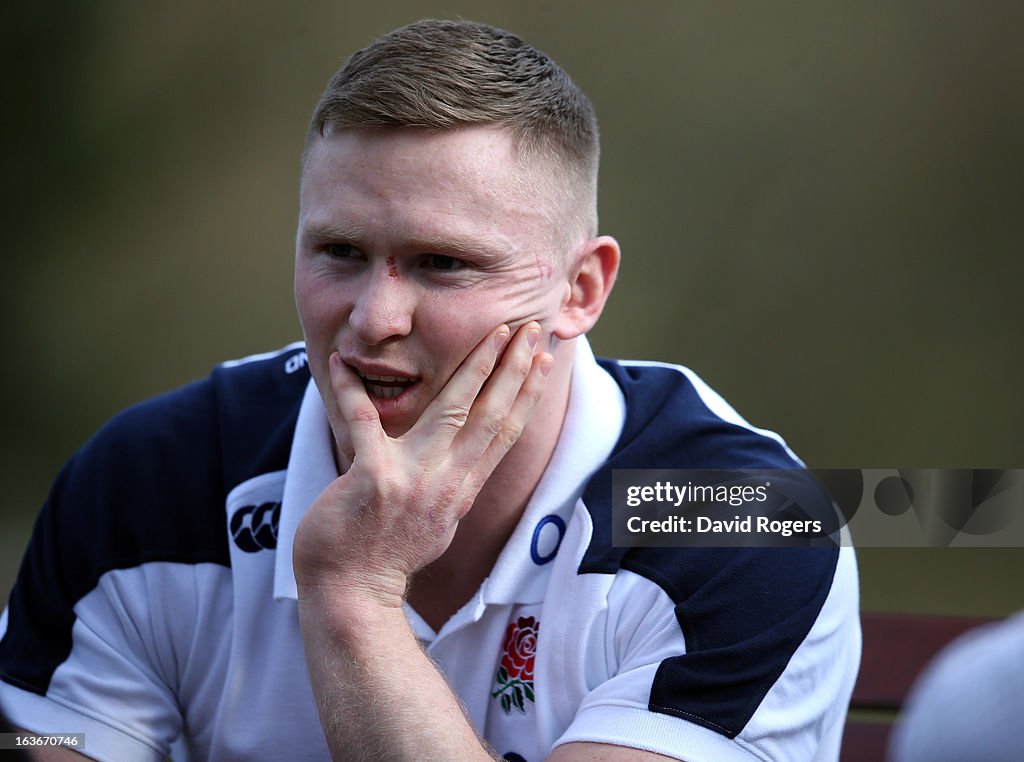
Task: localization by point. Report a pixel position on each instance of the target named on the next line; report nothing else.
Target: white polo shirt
(158, 597)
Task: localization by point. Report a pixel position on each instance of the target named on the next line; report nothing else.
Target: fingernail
(501, 337)
(532, 337)
(545, 365)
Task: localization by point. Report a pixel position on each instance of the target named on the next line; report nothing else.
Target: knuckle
(534, 392)
(455, 416)
(447, 493)
(364, 414)
(483, 368)
(493, 424)
(436, 519)
(464, 506)
(509, 435)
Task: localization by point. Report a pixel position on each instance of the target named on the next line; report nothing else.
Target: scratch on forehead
(392, 267)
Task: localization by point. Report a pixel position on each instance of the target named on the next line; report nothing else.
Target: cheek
(452, 327)
(448, 327)
(305, 299)
(448, 324)
(321, 307)
(320, 318)
(530, 299)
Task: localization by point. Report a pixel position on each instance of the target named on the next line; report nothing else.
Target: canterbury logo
(296, 363)
(254, 527)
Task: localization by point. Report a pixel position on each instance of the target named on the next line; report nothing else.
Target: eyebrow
(459, 245)
(455, 244)
(330, 232)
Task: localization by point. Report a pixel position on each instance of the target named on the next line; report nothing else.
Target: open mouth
(385, 387)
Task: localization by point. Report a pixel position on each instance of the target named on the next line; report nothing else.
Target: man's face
(412, 246)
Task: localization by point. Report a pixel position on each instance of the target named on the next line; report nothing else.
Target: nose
(384, 307)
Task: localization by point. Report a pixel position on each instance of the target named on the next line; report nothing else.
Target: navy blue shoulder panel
(668, 425)
(743, 611)
(149, 486)
(258, 404)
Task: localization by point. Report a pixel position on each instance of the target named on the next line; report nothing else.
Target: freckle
(392, 267)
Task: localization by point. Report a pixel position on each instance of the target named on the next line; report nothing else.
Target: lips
(384, 386)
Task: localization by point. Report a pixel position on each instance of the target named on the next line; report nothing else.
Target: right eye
(342, 251)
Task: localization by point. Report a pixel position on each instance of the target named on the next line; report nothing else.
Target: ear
(591, 277)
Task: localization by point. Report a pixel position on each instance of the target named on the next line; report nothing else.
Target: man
(408, 556)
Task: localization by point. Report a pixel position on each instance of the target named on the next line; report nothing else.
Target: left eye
(443, 262)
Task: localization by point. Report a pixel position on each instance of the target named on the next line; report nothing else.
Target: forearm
(378, 694)
(395, 510)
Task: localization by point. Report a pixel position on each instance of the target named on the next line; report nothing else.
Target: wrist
(351, 609)
(347, 583)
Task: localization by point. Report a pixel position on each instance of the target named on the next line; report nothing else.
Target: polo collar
(310, 469)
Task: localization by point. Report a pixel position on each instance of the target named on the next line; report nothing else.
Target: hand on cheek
(398, 505)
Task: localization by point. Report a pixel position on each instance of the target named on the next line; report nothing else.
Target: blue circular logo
(535, 553)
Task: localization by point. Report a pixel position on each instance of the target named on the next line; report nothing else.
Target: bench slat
(896, 649)
(865, 742)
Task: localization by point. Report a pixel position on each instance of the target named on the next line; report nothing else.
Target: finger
(487, 417)
(449, 410)
(357, 411)
(514, 423)
(492, 408)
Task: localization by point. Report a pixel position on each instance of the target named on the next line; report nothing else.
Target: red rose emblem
(515, 674)
(520, 646)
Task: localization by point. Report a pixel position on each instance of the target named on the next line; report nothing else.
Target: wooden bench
(896, 648)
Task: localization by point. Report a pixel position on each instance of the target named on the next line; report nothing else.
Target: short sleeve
(726, 673)
(117, 679)
(100, 628)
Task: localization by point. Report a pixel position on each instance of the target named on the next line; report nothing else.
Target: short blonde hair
(447, 74)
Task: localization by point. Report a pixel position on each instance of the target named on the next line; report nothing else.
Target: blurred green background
(821, 208)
